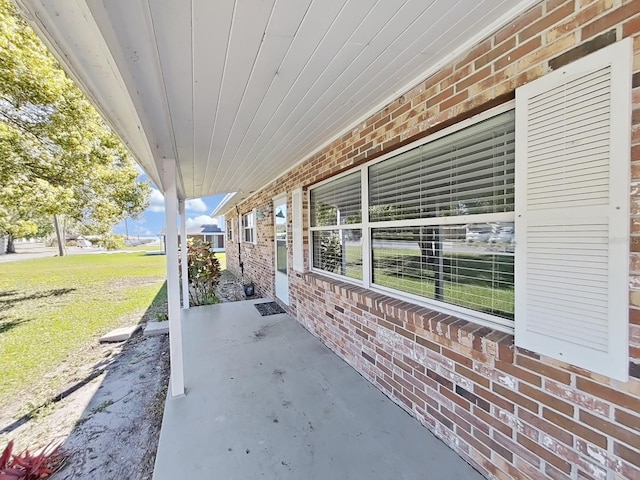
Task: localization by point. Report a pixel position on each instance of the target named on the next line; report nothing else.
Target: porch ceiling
(238, 91)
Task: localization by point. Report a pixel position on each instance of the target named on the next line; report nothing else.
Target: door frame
(284, 278)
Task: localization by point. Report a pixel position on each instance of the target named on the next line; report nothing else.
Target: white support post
(183, 254)
(173, 279)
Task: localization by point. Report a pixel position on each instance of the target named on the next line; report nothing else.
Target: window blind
(465, 173)
(337, 202)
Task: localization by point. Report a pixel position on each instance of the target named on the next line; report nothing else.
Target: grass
(481, 282)
(468, 280)
(152, 247)
(52, 308)
(222, 258)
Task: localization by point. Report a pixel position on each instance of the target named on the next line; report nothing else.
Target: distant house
(211, 233)
(208, 233)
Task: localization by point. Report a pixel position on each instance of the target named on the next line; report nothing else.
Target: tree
(57, 156)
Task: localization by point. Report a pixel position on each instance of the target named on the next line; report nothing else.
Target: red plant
(28, 466)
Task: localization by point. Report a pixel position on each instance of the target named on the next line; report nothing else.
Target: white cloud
(156, 201)
(196, 205)
(200, 220)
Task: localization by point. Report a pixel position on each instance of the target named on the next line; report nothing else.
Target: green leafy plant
(28, 466)
(112, 242)
(331, 253)
(203, 270)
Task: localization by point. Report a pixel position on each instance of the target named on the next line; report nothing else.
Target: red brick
(575, 428)
(546, 427)
(515, 398)
(460, 422)
(477, 51)
(546, 21)
(632, 27)
(455, 398)
(519, 373)
(563, 465)
(611, 19)
(518, 53)
(495, 399)
(548, 400)
(456, 99)
(627, 419)
(495, 52)
(521, 22)
(473, 79)
(608, 394)
(626, 453)
(492, 421)
(471, 375)
(543, 369)
(605, 426)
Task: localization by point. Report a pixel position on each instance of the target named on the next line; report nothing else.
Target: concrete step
(119, 334)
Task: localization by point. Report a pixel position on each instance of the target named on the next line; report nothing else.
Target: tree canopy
(57, 155)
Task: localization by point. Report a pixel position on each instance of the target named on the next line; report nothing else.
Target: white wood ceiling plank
(172, 30)
(319, 18)
(387, 79)
(287, 17)
(336, 39)
(246, 39)
(284, 23)
(376, 47)
(262, 77)
(209, 54)
(205, 87)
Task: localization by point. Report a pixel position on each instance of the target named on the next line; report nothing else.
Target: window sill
(425, 326)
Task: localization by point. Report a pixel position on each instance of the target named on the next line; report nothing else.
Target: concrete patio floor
(266, 399)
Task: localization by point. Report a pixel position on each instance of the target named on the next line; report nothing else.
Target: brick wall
(509, 412)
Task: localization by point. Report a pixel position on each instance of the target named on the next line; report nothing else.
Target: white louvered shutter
(572, 212)
(298, 242)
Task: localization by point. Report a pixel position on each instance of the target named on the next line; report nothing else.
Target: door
(280, 236)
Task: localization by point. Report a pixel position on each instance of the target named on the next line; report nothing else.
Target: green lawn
(480, 281)
(147, 246)
(222, 258)
(52, 308)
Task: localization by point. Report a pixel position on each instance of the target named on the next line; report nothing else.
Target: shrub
(27, 466)
(203, 270)
(331, 253)
(112, 242)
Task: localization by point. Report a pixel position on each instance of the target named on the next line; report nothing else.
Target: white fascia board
(222, 206)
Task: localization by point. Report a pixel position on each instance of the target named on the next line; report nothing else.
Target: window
(249, 227)
(440, 221)
(229, 231)
(336, 226)
(437, 213)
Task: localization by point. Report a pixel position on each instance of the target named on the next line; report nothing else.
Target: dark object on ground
(249, 290)
(269, 308)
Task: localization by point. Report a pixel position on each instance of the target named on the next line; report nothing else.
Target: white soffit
(239, 91)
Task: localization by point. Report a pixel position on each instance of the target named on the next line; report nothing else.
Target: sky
(151, 222)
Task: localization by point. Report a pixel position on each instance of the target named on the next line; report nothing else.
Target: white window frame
(253, 228)
(297, 230)
(230, 230)
(495, 322)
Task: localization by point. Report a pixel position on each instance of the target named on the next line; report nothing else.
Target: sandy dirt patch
(108, 422)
